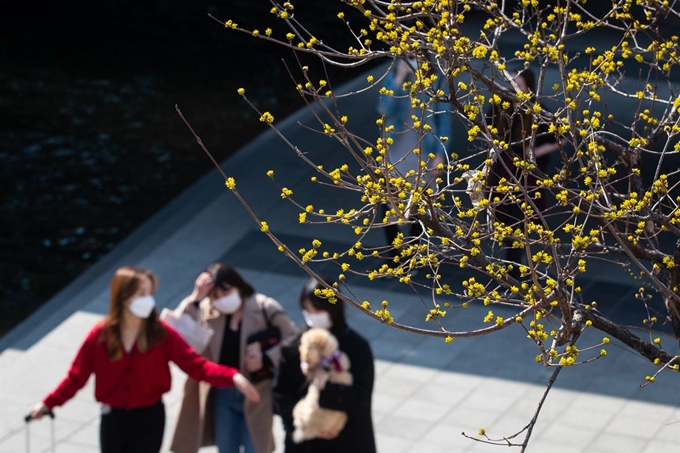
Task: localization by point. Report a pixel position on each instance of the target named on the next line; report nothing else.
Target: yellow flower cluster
(267, 117)
(473, 288)
(435, 313)
(384, 313)
(326, 293)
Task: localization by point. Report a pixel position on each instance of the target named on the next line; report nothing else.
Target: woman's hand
(202, 286)
(253, 358)
(38, 410)
(327, 435)
(244, 386)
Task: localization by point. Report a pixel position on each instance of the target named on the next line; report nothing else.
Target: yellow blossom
(267, 118)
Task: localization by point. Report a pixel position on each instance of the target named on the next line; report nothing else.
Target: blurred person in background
(223, 300)
(291, 385)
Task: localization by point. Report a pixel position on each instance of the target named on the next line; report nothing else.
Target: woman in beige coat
(208, 416)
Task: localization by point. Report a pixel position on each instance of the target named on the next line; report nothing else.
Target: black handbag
(267, 338)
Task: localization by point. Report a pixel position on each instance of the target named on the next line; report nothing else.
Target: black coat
(291, 386)
(513, 128)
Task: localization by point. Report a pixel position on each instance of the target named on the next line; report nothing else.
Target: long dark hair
(530, 79)
(336, 309)
(124, 285)
(512, 125)
(224, 276)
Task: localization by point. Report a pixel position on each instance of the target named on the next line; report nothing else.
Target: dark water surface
(90, 144)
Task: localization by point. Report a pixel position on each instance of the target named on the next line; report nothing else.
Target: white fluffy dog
(321, 361)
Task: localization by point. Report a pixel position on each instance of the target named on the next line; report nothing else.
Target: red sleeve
(198, 368)
(80, 372)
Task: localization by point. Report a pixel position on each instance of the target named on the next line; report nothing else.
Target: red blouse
(136, 379)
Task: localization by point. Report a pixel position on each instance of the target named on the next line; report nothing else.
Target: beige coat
(195, 423)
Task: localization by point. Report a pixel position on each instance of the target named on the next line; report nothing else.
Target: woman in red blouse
(128, 352)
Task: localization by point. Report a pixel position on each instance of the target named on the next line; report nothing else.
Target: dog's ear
(313, 357)
(306, 351)
(330, 345)
(309, 352)
(302, 349)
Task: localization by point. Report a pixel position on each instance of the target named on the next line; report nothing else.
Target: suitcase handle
(27, 418)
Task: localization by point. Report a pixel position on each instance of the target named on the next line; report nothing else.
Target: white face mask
(228, 304)
(321, 320)
(142, 306)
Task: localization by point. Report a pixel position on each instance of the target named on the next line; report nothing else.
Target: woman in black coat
(516, 128)
(291, 385)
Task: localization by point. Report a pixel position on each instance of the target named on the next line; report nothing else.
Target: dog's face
(315, 344)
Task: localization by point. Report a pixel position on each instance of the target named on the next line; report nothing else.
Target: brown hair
(125, 283)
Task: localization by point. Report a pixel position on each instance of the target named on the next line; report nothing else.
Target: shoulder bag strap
(267, 319)
(264, 314)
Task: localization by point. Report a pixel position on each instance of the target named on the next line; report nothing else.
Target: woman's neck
(130, 328)
(131, 323)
